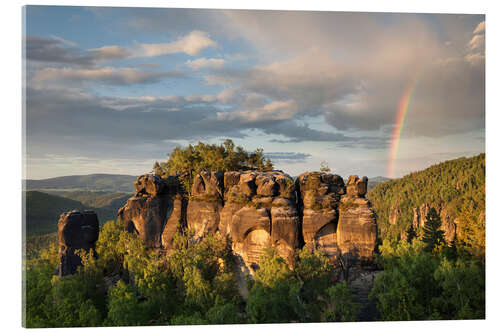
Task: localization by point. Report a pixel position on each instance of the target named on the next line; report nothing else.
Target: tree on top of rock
(213, 157)
(433, 236)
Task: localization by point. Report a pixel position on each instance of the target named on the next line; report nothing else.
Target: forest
(421, 277)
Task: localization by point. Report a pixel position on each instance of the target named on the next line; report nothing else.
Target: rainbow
(403, 107)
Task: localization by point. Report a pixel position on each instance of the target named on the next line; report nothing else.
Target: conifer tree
(433, 236)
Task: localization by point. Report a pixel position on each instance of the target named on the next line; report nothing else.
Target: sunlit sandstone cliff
(258, 209)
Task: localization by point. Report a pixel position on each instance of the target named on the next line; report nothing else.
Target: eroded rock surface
(357, 228)
(203, 209)
(257, 209)
(147, 212)
(320, 195)
(76, 230)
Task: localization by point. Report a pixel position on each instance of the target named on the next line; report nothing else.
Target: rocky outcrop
(76, 231)
(357, 229)
(255, 210)
(147, 212)
(259, 211)
(320, 195)
(205, 204)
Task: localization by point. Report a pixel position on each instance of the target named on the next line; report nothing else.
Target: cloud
(106, 75)
(276, 110)
(477, 42)
(57, 50)
(480, 28)
(287, 157)
(54, 50)
(191, 44)
(107, 53)
(203, 62)
(355, 79)
(475, 59)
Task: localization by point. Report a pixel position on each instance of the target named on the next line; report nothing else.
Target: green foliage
(203, 271)
(417, 284)
(433, 236)
(211, 157)
(471, 235)
(124, 308)
(458, 185)
(339, 304)
(274, 295)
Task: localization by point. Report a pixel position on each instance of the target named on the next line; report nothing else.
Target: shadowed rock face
(76, 231)
(147, 212)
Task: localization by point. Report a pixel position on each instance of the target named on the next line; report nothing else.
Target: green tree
(433, 236)
(275, 294)
(339, 304)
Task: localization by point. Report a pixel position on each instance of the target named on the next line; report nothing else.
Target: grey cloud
(288, 157)
(53, 50)
(106, 75)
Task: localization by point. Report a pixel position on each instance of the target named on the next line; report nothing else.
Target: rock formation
(357, 229)
(147, 212)
(205, 204)
(76, 231)
(320, 195)
(260, 210)
(257, 209)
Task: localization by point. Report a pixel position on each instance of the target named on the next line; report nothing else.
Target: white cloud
(191, 44)
(477, 42)
(203, 62)
(475, 59)
(480, 28)
(277, 110)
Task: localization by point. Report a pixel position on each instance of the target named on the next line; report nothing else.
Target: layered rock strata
(76, 231)
(357, 228)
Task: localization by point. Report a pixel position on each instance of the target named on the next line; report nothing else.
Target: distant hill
(94, 182)
(43, 209)
(372, 182)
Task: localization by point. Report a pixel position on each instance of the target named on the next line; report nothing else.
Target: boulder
(76, 231)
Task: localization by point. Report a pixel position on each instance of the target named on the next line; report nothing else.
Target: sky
(111, 90)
